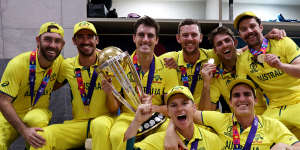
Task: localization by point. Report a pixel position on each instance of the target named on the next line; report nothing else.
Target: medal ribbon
(251, 135)
(32, 70)
(86, 98)
(185, 80)
(195, 145)
(150, 75)
(223, 73)
(262, 50)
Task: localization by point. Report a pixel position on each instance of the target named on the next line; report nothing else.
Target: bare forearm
(296, 146)
(132, 130)
(205, 103)
(112, 103)
(10, 114)
(161, 109)
(291, 69)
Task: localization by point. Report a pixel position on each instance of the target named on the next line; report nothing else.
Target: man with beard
(190, 59)
(242, 129)
(275, 67)
(156, 80)
(26, 85)
(224, 43)
(92, 101)
(181, 110)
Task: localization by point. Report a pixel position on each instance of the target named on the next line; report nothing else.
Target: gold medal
(211, 61)
(261, 58)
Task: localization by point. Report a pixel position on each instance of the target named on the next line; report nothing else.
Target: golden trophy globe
(115, 64)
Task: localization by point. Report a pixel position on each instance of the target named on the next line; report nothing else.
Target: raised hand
(207, 71)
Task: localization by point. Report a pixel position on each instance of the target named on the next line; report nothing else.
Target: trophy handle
(117, 94)
(136, 77)
(122, 78)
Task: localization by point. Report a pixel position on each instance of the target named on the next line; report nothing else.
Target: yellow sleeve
(61, 73)
(213, 119)
(169, 55)
(12, 77)
(213, 141)
(291, 50)
(171, 79)
(215, 93)
(152, 142)
(282, 134)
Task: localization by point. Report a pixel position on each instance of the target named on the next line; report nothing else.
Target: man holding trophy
(92, 100)
(155, 81)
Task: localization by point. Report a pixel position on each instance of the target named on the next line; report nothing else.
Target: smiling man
(190, 59)
(156, 80)
(26, 86)
(181, 110)
(224, 45)
(275, 66)
(242, 129)
(93, 104)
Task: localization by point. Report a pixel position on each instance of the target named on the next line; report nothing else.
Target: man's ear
(201, 38)
(255, 100)
(236, 42)
(74, 40)
(194, 107)
(230, 103)
(178, 38)
(261, 27)
(38, 40)
(133, 37)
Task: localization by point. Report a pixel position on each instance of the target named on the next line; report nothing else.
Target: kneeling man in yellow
(181, 110)
(92, 101)
(26, 85)
(242, 129)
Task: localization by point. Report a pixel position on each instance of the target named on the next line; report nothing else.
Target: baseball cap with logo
(51, 27)
(240, 16)
(84, 25)
(238, 80)
(180, 90)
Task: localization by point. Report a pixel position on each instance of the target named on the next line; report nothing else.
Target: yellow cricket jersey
(206, 140)
(15, 82)
(280, 88)
(269, 130)
(220, 86)
(97, 105)
(190, 69)
(163, 80)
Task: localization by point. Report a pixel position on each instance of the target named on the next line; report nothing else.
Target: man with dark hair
(26, 85)
(156, 80)
(242, 129)
(224, 43)
(274, 65)
(191, 59)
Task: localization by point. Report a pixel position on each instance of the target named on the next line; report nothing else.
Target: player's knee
(101, 126)
(37, 118)
(116, 136)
